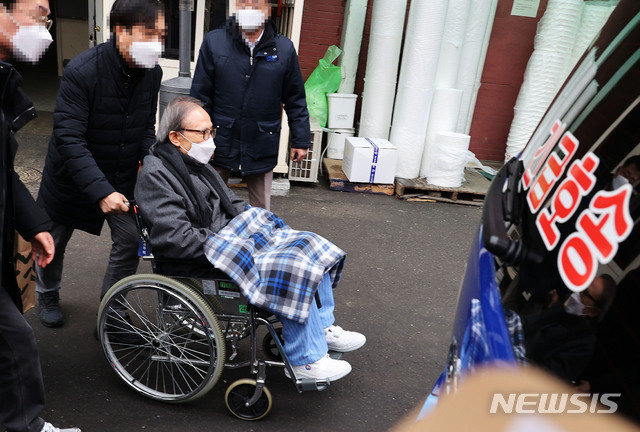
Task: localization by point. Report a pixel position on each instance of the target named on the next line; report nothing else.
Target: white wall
(72, 37)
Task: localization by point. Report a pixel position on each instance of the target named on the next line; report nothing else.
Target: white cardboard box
(369, 160)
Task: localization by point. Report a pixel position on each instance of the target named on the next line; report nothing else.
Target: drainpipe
(185, 38)
(181, 85)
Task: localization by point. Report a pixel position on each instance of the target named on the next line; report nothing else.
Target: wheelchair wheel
(269, 347)
(161, 338)
(237, 395)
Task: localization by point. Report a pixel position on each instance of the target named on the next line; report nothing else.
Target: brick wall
(510, 46)
(321, 28)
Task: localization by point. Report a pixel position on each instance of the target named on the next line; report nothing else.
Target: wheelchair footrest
(309, 384)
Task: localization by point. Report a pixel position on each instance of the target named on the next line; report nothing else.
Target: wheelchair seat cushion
(189, 268)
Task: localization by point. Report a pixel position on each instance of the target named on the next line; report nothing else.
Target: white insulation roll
(474, 51)
(451, 154)
(416, 83)
(546, 69)
(352, 29)
(442, 118)
(594, 15)
(452, 38)
(387, 24)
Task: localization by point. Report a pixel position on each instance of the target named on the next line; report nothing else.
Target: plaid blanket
(276, 267)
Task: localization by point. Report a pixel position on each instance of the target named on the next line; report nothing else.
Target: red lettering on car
(564, 203)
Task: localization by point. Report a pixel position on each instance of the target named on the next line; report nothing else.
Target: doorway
(70, 38)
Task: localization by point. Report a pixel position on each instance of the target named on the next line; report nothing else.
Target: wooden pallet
(338, 181)
(471, 192)
(237, 185)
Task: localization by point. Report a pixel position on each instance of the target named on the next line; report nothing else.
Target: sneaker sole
(330, 379)
(348, 349)
(52, 324)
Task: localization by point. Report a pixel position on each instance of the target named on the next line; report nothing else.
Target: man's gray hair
(174, 114)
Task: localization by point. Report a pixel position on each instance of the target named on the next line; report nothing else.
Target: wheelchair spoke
(145, 321)
(140, 351)
(179, 368)
(133, 374)
(127, 330)
(146, 372)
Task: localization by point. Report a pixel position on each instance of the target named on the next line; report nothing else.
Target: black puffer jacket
(104, 125)
(244, 94)
(18, 210)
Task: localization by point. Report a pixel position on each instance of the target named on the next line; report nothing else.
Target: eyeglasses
(206, 133)
(45, 21)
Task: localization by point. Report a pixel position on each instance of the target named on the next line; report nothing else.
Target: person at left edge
(24, 35)
(104, 125)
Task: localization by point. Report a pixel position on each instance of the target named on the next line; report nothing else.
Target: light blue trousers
(305, 343)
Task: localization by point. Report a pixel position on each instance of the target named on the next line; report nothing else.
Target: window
(172, 17)
(215, 14)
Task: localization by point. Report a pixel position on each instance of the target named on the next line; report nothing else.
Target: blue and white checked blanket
(276, 267)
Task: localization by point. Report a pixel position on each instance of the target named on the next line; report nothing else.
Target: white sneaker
(48, 427)
(341, 340)
(324, 369)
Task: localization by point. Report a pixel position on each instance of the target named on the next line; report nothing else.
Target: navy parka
(244, 94)
(104, 125)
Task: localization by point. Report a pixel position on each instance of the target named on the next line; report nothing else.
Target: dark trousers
(21, 387)
(123, 260)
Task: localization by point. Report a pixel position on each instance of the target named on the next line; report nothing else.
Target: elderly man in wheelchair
(221, 269)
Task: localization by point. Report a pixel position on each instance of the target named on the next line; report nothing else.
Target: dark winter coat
(244, 94)
(104, 125)
(18, 210)
(170, 212)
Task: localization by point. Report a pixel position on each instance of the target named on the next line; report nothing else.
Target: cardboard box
(369, 160)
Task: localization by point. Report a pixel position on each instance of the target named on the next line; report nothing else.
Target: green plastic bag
(324, 79)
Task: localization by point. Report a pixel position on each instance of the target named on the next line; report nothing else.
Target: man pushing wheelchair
(190, 213)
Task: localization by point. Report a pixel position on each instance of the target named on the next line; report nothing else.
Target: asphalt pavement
(405, 262)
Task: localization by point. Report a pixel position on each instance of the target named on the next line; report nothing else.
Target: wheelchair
(169, 335)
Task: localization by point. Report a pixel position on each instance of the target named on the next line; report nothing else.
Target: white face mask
(250, 19)
(619, 181)
(201, 151)
(30, 42)
(574, 305)
(146, 54)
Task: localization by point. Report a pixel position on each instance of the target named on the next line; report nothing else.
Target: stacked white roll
(387, 24)
(443, 117)
(452, 38)
(450, 155)
(594, 16)
(416, 83)
(474, 50)
(352, 29)
(545, 73)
